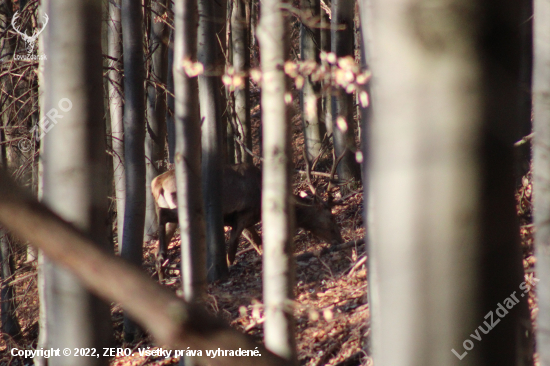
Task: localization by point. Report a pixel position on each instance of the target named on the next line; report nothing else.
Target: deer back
(242, 194)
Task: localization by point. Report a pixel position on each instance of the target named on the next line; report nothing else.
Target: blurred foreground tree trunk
(541, 172)
(74, 171)
(134, 140)
(445, 253)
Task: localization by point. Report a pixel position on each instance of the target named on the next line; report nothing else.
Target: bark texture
(277, 207)
(134, 139)
(75, 162)
(188, 151)
(211, 24)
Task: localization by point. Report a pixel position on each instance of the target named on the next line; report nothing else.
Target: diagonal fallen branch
(171, 321)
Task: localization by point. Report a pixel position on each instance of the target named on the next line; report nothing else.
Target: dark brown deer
(241, 207)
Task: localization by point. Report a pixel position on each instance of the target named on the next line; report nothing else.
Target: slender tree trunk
(448, 148)
(188, 151)
(43, 308)
(541, 172)
(253, 41)
(310, 98)
(6, 53)
(211, 23)
(134, 139)
(232, 151)
(241, 63)
(170, 126)
(106, 103)
(188, 155)
(10, 325)
(327, 89)
(277, 207)
(343, 126)
(525, 102)
(42, 261)
(156, 110)
(74, 170)
(115, 109)
(366, 124)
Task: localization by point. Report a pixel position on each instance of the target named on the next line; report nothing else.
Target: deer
(241, 208)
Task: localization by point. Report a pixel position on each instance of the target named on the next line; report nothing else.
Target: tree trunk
(241, 63)
(6, 53)
(115, 109)
(525, 107)
(445, 251)
(366, 124)
(277, 207)
(109, 177)
(10, 325)
(541, 172)
(156, 111)
(310, 99)
(41, 260)
(134, 139)
(211, 15)
(326, 105)
(343, 126)
(188, 151)
(170, 126)
(74, 170)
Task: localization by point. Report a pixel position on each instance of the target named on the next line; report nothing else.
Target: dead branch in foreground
(170, 320)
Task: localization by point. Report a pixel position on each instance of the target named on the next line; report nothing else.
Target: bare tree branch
(171, 321)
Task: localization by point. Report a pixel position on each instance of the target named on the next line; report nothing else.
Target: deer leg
(254, 239)
(234, 243)
(167, 227)
(161, 251)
